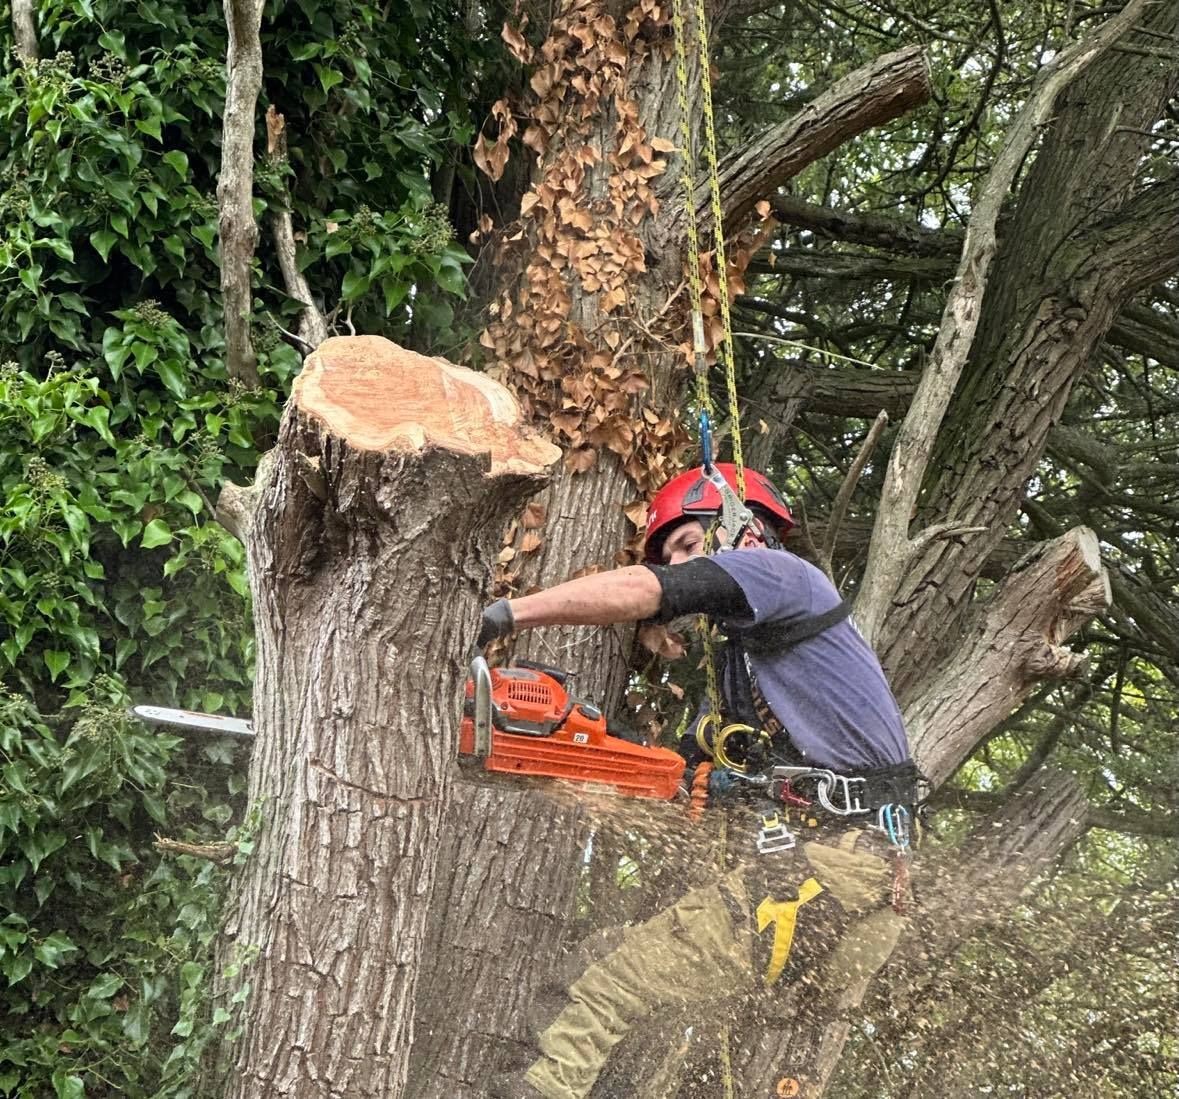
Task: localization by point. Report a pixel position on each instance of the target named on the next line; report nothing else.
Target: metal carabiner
(734, 515)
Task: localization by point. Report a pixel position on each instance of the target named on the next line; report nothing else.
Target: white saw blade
(191, 719)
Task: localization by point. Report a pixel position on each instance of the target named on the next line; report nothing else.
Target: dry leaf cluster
(576, 335)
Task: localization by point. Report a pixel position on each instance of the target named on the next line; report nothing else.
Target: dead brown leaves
(572, 333)
(492, 157)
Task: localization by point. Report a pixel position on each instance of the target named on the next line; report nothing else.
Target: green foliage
(118, 427)
(102, 944)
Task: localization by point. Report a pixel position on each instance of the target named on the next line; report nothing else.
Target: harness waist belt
(848, 795)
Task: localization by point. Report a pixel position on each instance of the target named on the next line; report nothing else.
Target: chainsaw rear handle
(481, 678)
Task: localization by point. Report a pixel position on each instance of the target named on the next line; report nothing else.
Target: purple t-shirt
(828, 691)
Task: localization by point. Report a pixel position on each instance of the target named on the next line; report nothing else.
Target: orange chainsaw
(521, 720)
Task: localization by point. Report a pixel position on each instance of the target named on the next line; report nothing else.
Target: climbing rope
(688, 179)
(725, 346)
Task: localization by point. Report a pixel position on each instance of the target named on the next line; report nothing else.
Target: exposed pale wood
(378, 396)
(1016, 641)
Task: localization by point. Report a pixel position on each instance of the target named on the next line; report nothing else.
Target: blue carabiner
(896, 824)
(705, 441)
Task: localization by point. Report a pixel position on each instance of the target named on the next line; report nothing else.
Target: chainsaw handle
(481, 678)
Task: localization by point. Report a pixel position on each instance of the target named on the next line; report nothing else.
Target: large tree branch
(235, 187)
(1017, 641)
(891, 549)
(870, 96)
(1142, 238)
(875, 230)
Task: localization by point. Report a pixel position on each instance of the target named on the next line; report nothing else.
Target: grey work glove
(497, 622)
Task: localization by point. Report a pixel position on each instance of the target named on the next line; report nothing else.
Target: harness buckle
(774, 835)
(851, 790)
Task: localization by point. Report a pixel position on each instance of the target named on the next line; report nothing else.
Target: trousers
(750, 926)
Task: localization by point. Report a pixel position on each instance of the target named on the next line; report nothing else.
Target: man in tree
(810, 725)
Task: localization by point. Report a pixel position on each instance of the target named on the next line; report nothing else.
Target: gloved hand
(497, 622)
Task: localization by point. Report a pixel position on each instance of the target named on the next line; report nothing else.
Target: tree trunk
(24, 29)
(598, 283)
(369, 554)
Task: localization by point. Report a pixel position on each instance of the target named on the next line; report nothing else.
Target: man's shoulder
(761, 560)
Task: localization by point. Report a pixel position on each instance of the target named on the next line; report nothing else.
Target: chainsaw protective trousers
(702, 949)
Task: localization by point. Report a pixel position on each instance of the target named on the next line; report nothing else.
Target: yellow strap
(783, 915)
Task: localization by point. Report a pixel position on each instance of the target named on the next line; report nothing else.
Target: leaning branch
(870, 96)
(235, 188)
(1017, 642)
(891, 549)
(313, 329)
(843, 497)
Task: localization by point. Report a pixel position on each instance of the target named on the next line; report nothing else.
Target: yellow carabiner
(722, 757)
(706, 723)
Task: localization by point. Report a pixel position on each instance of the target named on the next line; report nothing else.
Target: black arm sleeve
(699, 586)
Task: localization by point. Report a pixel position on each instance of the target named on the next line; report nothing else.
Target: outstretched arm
(622, 595)
(630, 594)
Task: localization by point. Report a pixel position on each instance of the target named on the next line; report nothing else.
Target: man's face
(687, 541)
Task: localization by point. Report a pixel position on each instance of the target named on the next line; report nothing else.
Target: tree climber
(810, 728)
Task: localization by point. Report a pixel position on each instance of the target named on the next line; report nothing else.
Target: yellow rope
(688, 179)
(725, 349)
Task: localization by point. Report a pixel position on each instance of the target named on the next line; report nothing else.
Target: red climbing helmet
(689, 495)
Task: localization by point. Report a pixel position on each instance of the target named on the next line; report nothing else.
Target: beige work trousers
(702, 948)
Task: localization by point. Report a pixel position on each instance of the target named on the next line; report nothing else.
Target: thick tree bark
(885, 89)
(235, 186)
(1017, 643)
(1081, 242)
(494, 915)
(369, 554)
